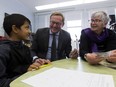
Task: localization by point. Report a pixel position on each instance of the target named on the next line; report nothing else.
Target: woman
(98, 39)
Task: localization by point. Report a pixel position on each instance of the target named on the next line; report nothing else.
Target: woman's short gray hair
(102, 15)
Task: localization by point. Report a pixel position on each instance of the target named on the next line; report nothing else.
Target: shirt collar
(52, 33)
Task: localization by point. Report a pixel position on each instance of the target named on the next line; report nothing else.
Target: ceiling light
(65, 4)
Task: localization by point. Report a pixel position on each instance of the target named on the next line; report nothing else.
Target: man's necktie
(53, 48)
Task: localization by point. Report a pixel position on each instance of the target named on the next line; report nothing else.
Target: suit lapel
(60, 40)
(46, 39)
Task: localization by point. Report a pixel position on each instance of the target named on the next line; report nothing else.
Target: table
(72, 64)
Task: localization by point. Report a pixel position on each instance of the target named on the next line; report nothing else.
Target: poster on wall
(1, 24)
(5, 14)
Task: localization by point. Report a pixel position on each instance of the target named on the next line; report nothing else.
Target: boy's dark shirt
(15, 59)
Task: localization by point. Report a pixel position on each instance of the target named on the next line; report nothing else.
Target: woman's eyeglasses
(95, 21)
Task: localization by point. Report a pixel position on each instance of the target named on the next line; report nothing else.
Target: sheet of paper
(58, 77)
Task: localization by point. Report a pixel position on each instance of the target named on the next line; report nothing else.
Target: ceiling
(32, 3)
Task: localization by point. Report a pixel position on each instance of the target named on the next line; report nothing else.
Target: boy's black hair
(14, 19)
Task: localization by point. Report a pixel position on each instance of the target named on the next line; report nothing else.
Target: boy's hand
(42, 61)
(34, 66)
(37, 63)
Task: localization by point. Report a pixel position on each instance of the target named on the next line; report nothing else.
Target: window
(74, 28)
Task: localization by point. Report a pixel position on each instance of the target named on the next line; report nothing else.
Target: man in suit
(42, 42)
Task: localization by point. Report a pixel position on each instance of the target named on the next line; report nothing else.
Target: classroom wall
(13, 6)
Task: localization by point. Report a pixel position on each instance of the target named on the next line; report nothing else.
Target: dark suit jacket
(41, 41)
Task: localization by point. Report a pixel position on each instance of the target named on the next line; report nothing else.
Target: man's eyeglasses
(95, 21)
(57, 23)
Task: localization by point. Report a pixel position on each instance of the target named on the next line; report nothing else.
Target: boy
(15, 57)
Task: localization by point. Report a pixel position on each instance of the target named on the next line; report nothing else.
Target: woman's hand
(112, 56)
(92, 58)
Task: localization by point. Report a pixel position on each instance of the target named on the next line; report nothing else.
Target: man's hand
(74, 54)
